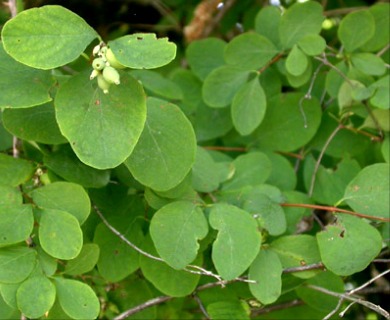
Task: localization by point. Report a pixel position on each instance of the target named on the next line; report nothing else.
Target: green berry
(111, 59)
(111, 75)
(103, 84)
(98, 64)
(94, 74)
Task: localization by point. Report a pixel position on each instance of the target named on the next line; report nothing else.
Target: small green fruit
(103, 84)
(112, 60)
(111, 75)
(98, 64)
(94, 74)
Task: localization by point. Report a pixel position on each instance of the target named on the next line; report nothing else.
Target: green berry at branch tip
(111, 75)
(111, 59)
(103, 84)
(98, 64)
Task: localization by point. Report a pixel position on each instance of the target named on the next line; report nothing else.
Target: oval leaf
(175, 230)
(77, 299)
(349, 246)
(14, 171)
(46, 37)
(143, 50)
(16, 263)
(102, 128)
(60, 234)
(238, 241)
(35, 296)
(85, 261)
(166, 149)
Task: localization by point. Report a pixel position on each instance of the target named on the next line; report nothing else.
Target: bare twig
(342, 11)
(368, 282)
(282, 306)
(381, 52)
(344, 296)
(201, 306)
(314, 266)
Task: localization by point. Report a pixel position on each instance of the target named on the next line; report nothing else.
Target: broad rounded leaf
(249, 51)
(60, 234)
(16, 79)
(77, 299)
(205, 55)
(300, 20)
(85, 261)
(205, 173)
(143, 50)
(16, 263)
(101, 128)
(238, 240)
(221, 85)
(248, 107)
(297, 250)
(37, 124)
(283, 127)
(296, 62)
(266, 270)
(349, 246)
(16, 223)
(175, 230)
(267, 23)
(14, 171)
(175, 283)
(369, 191)
(65, 196)
(166, 149)
(227, 310)
(10, 195)
(46, 37)
(355, 29)
(36, 296)
(368, 63)
(312, 44)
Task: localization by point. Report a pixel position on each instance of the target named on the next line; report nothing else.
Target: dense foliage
(236, 170)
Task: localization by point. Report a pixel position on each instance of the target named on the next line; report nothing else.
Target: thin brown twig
(281, 306)
(334, 209)
(314, 266)
(342, 11)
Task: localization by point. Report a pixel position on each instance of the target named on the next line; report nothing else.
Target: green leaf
(60, 234)
(47, 263)
(102, 129)
(16, 264)
(355, 29)
(369, 191)
(175, 230)
(266, 270)
(37, 124)
(267, 23)
(205, 172)
(296, 62)
(381, 96)
(295, 215)
(166, 149)
(299, 81)
(312, 44)
(297, 250)
(227, 310)
(14, 171)
(65, 196)
(157, 84)
(293, 27)
(46, 37)
(385, 149)
(85, 261)
(238, 241)
(16, 223)
(36, 296)
(221, 85)
(143, 50)
(382, 33)
(8, 293)
(16, 79)
(250, 169)
(283, 127)
(10, 195)
(269, 214)
(205, 55)
(77, 299)
(219, 117)
(175, 283)
(64, 163)
(319, 300)
(349, 246)
(249, 51)
(368, 63)
(378, 118)
(117, 259)
(248, 107)
(282, 175)
(329, 184)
